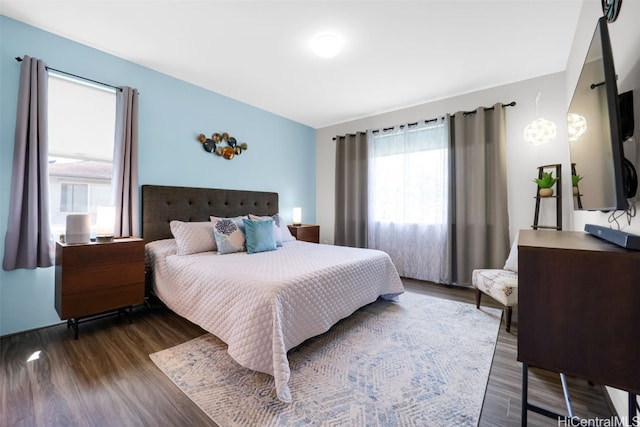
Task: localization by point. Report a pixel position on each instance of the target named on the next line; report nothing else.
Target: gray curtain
(125, 164)
(28, 241)
(479, 219)
(351, 190)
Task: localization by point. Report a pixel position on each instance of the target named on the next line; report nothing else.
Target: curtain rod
(76, 76)
(511, 104)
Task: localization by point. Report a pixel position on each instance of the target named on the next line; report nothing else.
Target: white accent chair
(501, 285)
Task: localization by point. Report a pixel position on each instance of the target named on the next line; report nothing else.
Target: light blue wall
(280, 158)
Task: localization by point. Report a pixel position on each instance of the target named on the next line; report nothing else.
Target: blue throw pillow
(259, 235)
(276, 229)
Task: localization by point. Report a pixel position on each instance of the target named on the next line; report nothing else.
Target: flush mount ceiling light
(327, 45)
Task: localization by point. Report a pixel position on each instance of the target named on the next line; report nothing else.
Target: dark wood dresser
(95, 278)
(306, 232)
(578, 303)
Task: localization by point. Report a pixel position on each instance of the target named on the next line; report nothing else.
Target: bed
(260, 304)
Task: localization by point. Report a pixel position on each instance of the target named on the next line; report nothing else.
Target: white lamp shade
(297, 216)
(78, 228)
(105, 221)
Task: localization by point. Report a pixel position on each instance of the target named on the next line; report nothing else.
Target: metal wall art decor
(214, 145)
(611, 9)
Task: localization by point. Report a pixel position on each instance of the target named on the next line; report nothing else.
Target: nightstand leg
(73, 323)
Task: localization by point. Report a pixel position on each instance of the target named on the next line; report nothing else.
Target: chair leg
(508, 319)
(478, 297)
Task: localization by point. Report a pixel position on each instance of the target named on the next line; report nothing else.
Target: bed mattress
(264, 304)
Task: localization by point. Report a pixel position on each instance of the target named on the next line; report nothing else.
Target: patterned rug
(422, 361)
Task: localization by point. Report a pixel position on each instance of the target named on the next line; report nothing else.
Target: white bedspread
(264, 304)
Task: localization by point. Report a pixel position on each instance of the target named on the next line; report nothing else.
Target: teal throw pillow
(259, 235)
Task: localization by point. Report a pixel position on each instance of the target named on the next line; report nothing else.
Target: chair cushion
(501, 285)
(511, 263)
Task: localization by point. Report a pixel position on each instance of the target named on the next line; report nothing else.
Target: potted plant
(545, 183)
(575, 179)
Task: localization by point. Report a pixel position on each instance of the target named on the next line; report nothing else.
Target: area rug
(421, 361)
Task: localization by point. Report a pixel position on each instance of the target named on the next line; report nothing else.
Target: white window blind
(81, 120)
(81, 134)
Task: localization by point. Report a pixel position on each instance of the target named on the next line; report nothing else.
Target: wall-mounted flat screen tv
(595, 138)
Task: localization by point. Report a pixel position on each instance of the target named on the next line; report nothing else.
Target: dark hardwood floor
(107, 379)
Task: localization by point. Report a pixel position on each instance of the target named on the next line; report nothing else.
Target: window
(408, 198)
(81, 134)
(74, 197)
(409, 176)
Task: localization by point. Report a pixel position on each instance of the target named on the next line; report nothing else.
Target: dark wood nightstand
(306, 232)
(96, 278)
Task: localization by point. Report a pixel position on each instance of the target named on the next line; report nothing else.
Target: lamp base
(104, 239)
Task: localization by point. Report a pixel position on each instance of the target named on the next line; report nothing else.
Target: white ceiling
(397, 53)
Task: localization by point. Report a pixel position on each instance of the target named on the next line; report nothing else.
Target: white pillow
(229, 234)
(285, 233)
(512, 261)
(193, 237)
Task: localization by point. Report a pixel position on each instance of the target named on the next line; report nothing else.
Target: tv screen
(595, 139)
(627, 120)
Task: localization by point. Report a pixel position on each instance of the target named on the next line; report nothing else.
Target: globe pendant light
(577, 126)
(540, 131)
